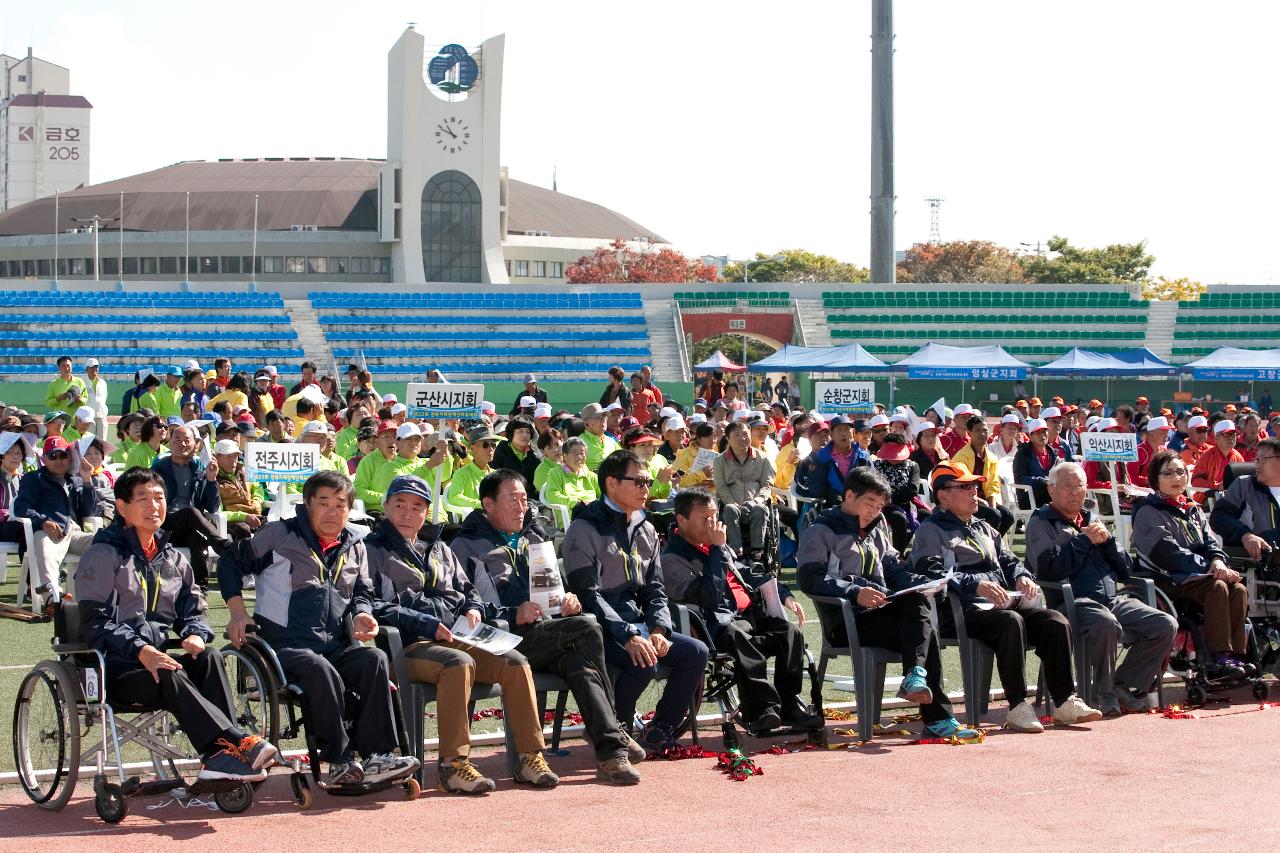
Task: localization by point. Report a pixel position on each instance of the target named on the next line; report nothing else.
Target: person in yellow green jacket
(572, 482)
(550, 445)
(645, 445)
(82, 425)
(66, 392)
(367, 470)
(128, 434)
(464, 486)
(348, 437)
(598, 444)
(166, 399)
(154, 435)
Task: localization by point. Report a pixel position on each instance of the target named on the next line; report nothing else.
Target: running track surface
(1136, 783)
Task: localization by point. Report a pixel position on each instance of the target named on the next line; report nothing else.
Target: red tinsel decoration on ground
(737, 766)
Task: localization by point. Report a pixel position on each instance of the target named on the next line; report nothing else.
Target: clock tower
(440, 190)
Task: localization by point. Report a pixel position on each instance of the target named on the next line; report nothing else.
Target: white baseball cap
(390, 398)
(93, 362)
(899, 416)
(1011, 418)
(1035, 425)
(527, 403)
(191, 364)
(542, 410)
(399, 408)
(1158, 422)
(1224, 425)
(1105, 424)
(84, 413)
(615, 406)
(666, 412)
(697, 418)
(315, 426)
(529, 377)
(407, 431)
(962, 409)
(741, 414)
(1050, 412)
(1197, 422)
(673, 422)
(921, 426)
(225, 447)
(426, 428)
(877, 421)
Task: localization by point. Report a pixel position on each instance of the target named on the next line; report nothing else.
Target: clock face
(452, 135)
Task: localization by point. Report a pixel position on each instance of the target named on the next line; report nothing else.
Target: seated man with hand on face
(847, 552)
(133, 588)
(1247, 515)
(193, 497)
(1065, 543)
(699, 568)
(422, 590)
(311, 575)
(493, 546)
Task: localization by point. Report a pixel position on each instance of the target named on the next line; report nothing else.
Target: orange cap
(957, 471)
(1035, 401)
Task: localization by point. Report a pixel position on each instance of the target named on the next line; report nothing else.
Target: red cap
(56, 442)
(387, 425)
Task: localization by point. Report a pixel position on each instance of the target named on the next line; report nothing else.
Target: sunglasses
(56, 454)
(488, 445)
(642, 482)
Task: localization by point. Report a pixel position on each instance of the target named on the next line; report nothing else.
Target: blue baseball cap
(173, 370)
(410, 485)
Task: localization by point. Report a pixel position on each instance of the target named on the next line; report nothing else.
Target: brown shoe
(617, 771)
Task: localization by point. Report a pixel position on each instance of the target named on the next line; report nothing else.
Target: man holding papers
(494, 545)
(1002, 605)
(422, 589)
(848, 553)
(699, 568)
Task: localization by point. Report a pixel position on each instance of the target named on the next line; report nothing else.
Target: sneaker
(948, 728)
(1245, 667)
(635, 752)
(1022, 718)
(460, 776)
(1132, 703)
(385, 767)
(534, 770)
(1222, 668)
(657, 739)
(795, 713)
(347, 771)
(1073, 711)
(227, 763)
(914, 688)
(1109, 705)
(256, 752)
(766, 721)
(617, 771)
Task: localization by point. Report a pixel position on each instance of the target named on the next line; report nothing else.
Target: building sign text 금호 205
(267, 462)
(440, 401)
(1109, 446)
(845, 398)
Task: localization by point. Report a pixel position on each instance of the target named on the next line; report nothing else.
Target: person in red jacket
(1098, 475)
(1154, 437)
(1214, 460)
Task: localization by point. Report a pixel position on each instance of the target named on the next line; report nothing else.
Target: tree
(1171, 289)
(979, 261)
(797, 265)
(1119, 263)
(618, 263)
(731, 346)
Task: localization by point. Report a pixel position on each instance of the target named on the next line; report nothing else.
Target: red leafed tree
(618, 263)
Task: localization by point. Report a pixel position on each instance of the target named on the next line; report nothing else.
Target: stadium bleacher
(732, 299)
(162, 327)
(490, 336)
(1234, 319)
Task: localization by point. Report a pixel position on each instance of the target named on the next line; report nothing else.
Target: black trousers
(197, 695)
(903, 625)
(11, 531)
(998, 517)
(572, 647)
(1008, 632)
(751, 644)
(325, 681)
(190, 528)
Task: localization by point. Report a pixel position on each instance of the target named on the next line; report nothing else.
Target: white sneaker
(1022, 718)
(1073, 711)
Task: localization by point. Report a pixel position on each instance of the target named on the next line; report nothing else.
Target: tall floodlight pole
(883, 268)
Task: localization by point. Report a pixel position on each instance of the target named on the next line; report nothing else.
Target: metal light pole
(883, 268)
(95, 223)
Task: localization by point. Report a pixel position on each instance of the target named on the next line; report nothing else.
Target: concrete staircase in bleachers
(1161, 317)
(813, 322)
(310, 336)
(664, 347)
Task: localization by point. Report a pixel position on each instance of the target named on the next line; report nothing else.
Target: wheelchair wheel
(303, 798)
(234, 802)
(110, 803)
(1195, 695)
(1260, 690)
(46, 734)
(255, 697)
(690, 719)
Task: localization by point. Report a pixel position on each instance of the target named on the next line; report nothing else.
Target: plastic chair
(869, 662)
(977, 662)
(559, 511)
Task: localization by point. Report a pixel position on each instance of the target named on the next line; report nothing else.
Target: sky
(732, 128)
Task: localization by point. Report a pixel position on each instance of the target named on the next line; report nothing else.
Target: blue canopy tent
(847, 359)
(1083, 362)
(1237, 365)
(940, 361)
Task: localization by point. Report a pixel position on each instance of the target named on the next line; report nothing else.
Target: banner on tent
(1109, 446)
(966, 372)
(1237, 374)
(443, 400)
(845, 398)
(267, 462)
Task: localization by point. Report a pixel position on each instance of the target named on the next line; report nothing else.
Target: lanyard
(150, 590)
(980, 545)
(337, 570)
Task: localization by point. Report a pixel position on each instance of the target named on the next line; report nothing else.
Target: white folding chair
(1024, 503)
(558, 511)
(27, 573)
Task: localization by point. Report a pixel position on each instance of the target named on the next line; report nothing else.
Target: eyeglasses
(1174, 472)
(1259, 460)
(642, 482)
(963, 487)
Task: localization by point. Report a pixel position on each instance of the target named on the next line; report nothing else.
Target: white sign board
(845, 398)
(433, 401)
(268, 462)
(1109, 446)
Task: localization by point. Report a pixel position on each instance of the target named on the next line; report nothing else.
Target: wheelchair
(772, 562)
(719, 686)
(61, 703)
(265, 703)
(1185, 661)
